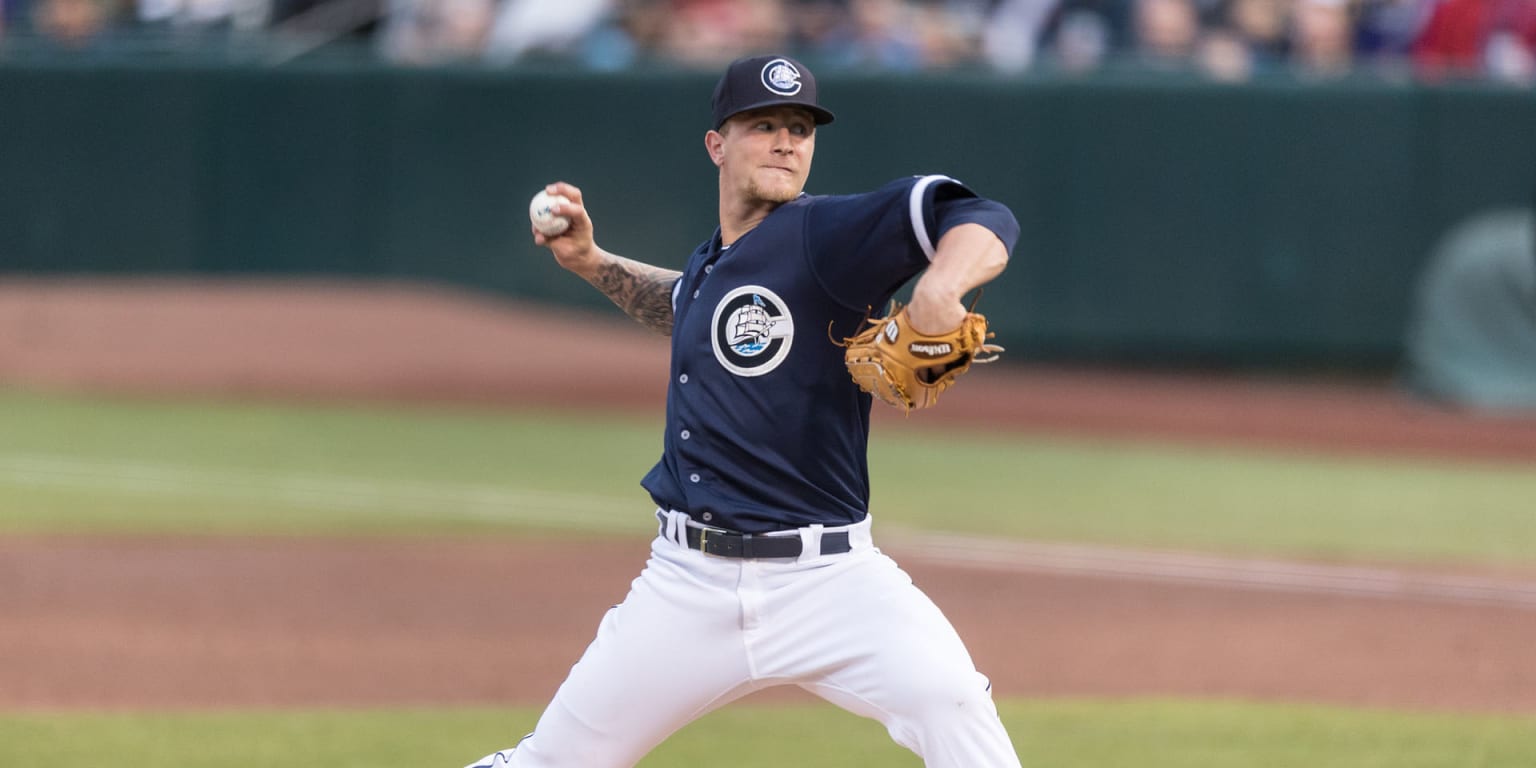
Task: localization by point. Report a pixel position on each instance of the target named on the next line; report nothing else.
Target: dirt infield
(213, 622)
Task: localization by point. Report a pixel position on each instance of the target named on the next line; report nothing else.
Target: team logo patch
(751, 331)
(781, 77)
(891, 331)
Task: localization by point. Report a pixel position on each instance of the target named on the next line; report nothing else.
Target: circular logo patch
(751, 331)
(781, 77)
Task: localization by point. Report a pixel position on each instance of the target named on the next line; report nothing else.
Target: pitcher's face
(765, 154)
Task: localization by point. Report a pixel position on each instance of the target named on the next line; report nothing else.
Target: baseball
(548, 224)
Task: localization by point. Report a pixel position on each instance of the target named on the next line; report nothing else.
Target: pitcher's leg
(665, 656)
(906, 666)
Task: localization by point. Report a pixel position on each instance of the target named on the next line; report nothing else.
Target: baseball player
(764, 571)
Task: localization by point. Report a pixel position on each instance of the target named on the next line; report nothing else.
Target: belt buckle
(703, 536)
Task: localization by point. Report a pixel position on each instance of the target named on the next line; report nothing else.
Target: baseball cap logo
(781, 77)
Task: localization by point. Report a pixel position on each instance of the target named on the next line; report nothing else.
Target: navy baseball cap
(766, 81)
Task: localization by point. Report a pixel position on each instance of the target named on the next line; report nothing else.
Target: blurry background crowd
(1232, 40)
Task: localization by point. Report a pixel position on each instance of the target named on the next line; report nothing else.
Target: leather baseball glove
(908, 369)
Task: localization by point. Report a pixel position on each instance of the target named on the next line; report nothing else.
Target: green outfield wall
(1278, 223)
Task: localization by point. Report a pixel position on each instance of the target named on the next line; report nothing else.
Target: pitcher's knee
(958, 728)
(961, 706)
(951, 700)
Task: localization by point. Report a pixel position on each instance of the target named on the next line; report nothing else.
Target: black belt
(729, 544)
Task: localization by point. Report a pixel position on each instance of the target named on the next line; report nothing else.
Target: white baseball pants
(697, 632)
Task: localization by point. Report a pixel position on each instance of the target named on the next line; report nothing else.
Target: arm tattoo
(644, 292)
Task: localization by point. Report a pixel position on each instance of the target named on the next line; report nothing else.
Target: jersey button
(686, 434)
(708, 268)
(708, 516)
(695, 294)
(683, 379)
(694, 477)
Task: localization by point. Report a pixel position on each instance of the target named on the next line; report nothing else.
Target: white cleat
(500, 759)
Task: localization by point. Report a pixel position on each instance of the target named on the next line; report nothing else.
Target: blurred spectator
(204, 16)
(524, 26)
(1083, 41)
(1452, 39)
(1264, 28)
(709, 33)
(1225, 40)
(73, 23)
(1510, 45)
(1510, 56)
(1081, 35)
(818, 25)
(1224, 56)
(946, 36)
(623, 37)
(761, 25)
(1167, 32)
(1386, 29)
(320, 22)
(1013, 33)
(1322, 43)
(1464, 37)
(881, 35)
(427, 32)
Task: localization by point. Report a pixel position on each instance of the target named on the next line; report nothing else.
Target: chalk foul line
(1209, 570)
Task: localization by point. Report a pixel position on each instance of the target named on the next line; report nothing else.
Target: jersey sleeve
(951, 210)
(865, 247)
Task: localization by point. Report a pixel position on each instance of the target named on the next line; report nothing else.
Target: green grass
(75, 464)
(1061, 734)
(1240, 502)
(146, 466)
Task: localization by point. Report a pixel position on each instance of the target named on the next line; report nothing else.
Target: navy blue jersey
(765, 429)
